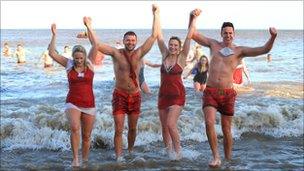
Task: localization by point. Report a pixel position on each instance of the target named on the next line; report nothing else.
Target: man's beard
(130, 49)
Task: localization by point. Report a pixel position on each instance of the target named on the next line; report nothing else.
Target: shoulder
(90, 65)
(69, 65)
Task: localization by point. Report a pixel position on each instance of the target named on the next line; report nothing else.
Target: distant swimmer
(126, 94)
(98, 55)
(80, 101)
(47, 60)
(269, 58)
(67, 52)
(172, 93)
(82, 35)
(142, 81)
(219, 94)
(200, 70)
(20, 53)
(6, 50)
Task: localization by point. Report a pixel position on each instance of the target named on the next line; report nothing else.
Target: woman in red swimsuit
(80, 101)
(172, 91)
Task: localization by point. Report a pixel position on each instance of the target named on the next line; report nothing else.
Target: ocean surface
(267, 126)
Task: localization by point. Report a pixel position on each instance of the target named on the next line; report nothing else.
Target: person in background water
(82, 35)
(142, 81)
(6, 50)
(80, 101)
(171, 98)
(98, 55)
(20, 53)
(67, 52)
(201, 73)
(238, 74)
(126, 95)
(269, 58)
(219, 94)
(47, 60)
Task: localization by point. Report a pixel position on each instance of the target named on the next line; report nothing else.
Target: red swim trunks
(221, 99)
(125, 103)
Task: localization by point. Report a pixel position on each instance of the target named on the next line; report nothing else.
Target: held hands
(155, 9)
(54, 30)
(196, 12)
(273, 32)
(87, 21)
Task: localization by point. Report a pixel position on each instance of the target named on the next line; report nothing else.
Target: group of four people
(219, 94)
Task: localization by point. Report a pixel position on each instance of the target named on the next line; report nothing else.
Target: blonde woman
(80, 101)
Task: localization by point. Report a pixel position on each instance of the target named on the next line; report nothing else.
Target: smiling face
(130, 42)
(174, 46)
(79, 58)
(79, 55)
(227, 35)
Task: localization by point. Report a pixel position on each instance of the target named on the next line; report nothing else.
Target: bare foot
(178, 156)
(215, 163)
(120, 159)
(75, 163)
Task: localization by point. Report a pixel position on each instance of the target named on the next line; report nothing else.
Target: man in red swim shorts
(126, 96)
(219, 94)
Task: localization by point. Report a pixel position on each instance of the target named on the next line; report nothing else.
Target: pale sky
(138, 14)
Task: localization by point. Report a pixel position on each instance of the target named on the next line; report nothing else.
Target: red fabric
(124, 103)
(132, 74)
(238, 76)
(81, 89)
(172, 90)
(222, 99)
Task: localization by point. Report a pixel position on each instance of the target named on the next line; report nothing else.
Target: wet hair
(79, 48)
(176, 38)
(227, 24)
(129, 33)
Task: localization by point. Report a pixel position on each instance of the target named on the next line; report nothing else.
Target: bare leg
(87, 123)
(74, 119)
(228, 141)
(145, 88)
(165, 131)
(210, 116)
(172, 118)
(132, 123)
(119, 125)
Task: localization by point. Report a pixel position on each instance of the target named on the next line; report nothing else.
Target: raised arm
(142, 50)
(186, 46)
(247, 51)
(161, 43)
(102, 47)
(196, 36)
(52, 50)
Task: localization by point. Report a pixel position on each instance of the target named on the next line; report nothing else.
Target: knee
(75, 129)
(118, 133)
(171, 126)
(209, 124)
(226, 131)
(86, 137)
(132, 130)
